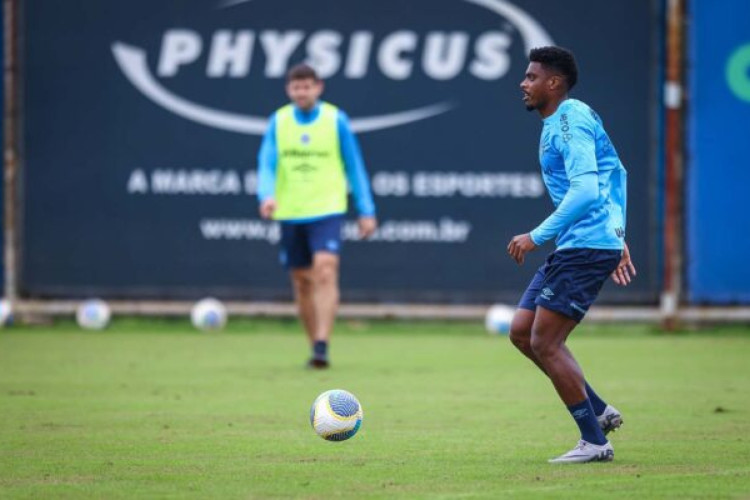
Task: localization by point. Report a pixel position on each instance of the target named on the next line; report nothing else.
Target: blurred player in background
(587, 184)
(307, 156)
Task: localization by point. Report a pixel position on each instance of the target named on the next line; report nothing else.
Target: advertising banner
(718, 173)
(143, 120)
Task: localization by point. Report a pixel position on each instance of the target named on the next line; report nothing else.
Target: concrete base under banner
(602, 314)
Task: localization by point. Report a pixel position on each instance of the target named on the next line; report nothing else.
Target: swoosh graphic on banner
(132, 62)
(231, 3)
(534, 35)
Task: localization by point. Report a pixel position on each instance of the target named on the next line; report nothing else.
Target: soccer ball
(498, 319)
(93, 314)
(208, 314)
(336, 415)
(6, 313)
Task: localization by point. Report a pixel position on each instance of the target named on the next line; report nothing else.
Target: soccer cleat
(318, 363)
(585, 452)
(610, 420)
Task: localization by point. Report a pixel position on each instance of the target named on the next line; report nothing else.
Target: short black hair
(559, 59)
(301, 72)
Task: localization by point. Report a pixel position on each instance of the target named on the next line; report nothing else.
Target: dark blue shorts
(569, 281)
(300, 241)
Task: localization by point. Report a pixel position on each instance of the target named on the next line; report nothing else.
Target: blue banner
(2, 134)
(143, 120)
(718, 168)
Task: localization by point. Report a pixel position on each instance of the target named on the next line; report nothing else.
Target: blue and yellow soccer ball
(336, 415)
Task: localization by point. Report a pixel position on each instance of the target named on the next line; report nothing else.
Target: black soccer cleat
(318, 363)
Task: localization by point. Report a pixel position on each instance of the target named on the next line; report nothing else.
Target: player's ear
(555, 82)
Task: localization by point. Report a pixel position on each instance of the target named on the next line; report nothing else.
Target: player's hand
(625, 271)
(367, 226)
(267, 208)
(519, 246)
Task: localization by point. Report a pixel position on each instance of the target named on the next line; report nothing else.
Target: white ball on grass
(498, 319)
(208, 315)
(6, 313)
(336, 415)
(93, 314)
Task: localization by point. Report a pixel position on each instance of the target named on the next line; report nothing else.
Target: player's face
(304, 93)
(535, 86)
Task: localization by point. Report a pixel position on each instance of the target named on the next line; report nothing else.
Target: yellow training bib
(310, 178)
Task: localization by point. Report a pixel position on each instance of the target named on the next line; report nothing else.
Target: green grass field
(157, 410)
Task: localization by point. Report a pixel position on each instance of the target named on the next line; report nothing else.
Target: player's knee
(519, 339)
(520, 332)
(302, 282)
(326, 272)
(541, 346)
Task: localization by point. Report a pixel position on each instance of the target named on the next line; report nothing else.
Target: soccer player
(587, 184)
(307, 156)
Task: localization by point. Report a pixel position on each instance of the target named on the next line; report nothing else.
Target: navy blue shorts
(569, 281)
(300, 241)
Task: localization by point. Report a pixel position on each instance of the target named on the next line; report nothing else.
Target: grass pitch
(158, 410)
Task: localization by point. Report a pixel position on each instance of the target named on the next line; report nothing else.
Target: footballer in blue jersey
(588, 186)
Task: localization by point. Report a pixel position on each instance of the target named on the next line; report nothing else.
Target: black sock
(320, 348)
(584, 416)
(596, 402)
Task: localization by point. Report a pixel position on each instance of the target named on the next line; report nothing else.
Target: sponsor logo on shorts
(547, 293)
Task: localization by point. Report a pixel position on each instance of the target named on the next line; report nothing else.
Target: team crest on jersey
(305, 139)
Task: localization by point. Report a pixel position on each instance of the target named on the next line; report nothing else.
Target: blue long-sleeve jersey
(351, 155)
(585, 179)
